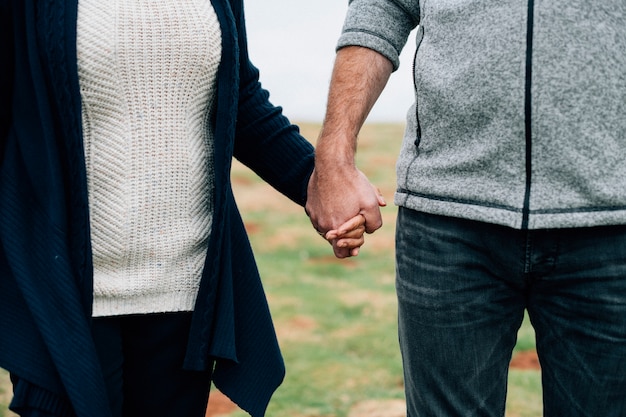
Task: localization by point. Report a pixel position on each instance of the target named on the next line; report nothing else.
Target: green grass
(524, 395)
(5, 394)
(336, 320)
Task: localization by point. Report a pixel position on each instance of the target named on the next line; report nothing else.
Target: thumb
(381, 199)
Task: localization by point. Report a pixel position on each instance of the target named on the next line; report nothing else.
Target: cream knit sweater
(147, 72)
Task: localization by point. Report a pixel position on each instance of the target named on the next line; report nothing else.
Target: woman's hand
(349, 236)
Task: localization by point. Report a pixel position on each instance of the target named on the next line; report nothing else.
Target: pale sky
(292, 42)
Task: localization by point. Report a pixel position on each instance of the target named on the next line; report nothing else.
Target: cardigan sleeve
(265, 140)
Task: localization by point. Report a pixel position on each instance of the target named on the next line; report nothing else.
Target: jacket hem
(511, 216)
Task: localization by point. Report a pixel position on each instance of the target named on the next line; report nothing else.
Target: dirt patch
(298, 328)
(525, 360)
(379, 408)
(219, 405)
(252, 228)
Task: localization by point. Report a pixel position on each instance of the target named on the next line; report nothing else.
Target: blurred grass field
(336, 319)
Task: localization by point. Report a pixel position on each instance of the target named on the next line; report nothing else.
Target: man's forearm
(337, 190)
(359, 76)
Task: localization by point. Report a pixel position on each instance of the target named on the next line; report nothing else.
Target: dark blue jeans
(463, 287)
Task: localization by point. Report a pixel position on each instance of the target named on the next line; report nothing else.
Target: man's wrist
(336, 151)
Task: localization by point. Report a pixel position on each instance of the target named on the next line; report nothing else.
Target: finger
(374, 220)
(351, 240)
(351, 243)
(354, 223)
(353, 234)
(342, 253)
(381, 199)
(331, 235)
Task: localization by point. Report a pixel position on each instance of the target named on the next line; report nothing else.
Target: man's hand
(337, 196)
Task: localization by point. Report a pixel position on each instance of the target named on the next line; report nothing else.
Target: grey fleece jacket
(520, 111)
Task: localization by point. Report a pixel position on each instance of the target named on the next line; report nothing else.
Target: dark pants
(142, 358)
(463, 287)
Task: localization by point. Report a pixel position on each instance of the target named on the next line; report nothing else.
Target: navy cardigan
(45, 254)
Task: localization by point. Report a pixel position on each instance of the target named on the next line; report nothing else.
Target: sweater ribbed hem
(144, 304)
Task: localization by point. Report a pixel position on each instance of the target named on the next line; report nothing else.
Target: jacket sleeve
(381, 25)
(6, 71)
(265, 140)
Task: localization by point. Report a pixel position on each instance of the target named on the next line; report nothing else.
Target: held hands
(342, 204)
(349, 236)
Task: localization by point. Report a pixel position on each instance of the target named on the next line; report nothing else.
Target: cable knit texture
(147, 73)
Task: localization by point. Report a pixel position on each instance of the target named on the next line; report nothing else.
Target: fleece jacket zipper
(528, 111)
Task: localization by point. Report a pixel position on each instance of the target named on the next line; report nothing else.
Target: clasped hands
(343, 205)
